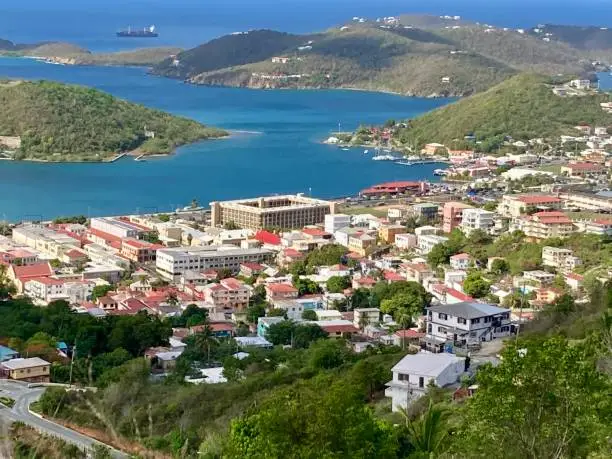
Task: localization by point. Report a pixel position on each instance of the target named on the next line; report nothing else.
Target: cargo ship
(147, 32)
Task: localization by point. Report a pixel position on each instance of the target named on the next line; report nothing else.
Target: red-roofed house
(461, 261)
(74, 256)
(20, 274)
(574, 281)
(407, 337)
(513, 206)
(275, 292)
(249, 269)
(104, 239)
(417, 272)
(21, 257)
(600, 226)
(139, 251)
(547, 295)
(219, 329)
(288, 256)
(448, 295)
(132, 306)
(338, 328)
(394, 188)
(392, 276)
(268, 238)
(363, 282)
(584, 169)
(544, 225)
(227, 294)
(316, 233)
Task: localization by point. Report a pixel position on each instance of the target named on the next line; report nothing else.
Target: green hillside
(430, 58)
(58, 122)
(523, 107)
(587, 38)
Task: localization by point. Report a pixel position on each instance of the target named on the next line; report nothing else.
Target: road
(24, 396)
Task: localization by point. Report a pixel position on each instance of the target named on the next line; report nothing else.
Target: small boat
(383, 158)
(404, 163)
(439, 172)
(365, 152)
(345, 149)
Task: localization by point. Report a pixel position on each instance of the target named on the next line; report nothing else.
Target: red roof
(214, 326)
(266, 237)
(292, 253)
(551, 217)
(134, 305)
(252, 266)
(585, 166)
(340, 328)
(458, 295)
(113, 241)
(538, 199)
(29, 271)
(75, 254)
(138, 244)
(366, 281)
(393, 276)
(47, 280)
(281, 288)
(410, 334)
(602, 222)
(461, 256)
(232, 283)
(315, 232)
(575, 276)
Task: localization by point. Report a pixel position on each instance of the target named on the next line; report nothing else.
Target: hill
(585, 38)
(435, 60)
(58, 122)
(523, 107)
(69, 54)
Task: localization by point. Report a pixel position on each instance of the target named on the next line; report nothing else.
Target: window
(488, 319)
(421, 381)
(461, 320)
(429, 328)
(442, 329)
(475, 321)
(403, 377)
(442, 316)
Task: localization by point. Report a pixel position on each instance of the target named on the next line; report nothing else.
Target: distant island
(526, 106)
(69, 54)
(427, 56)
(47, 121)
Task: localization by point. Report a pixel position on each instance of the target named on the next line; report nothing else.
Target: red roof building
(268, 238)
(280, 292)
(395, 188)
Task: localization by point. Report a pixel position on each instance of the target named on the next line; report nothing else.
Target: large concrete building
(289, 211)
(172, 263)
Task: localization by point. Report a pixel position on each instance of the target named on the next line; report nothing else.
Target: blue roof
(605, 194)
(62, 345)
(7, 353)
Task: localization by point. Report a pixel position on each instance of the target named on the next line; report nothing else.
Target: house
(252, 341)
(417, 272)
(580, 84)
(427, 242)
(513, 206)
(425, 211)
(461, 261)
(275, 292)
(264, 323)
(415, 372)
(338, 328)
(562, 259)
(293, 308)
(288, 256)
(574, 281)
(251, 269)
(6, 353)
(547, 295)
(139, 251)
(405, 241)
(545, 225)
(387, 233)
(20, 274)
(366, 316)
(583, 170)
(229, 293)
(403, 338)
(334, 222)
(476, 219)
(465, 324)
(433, 148)
(360, 243)
(328, 314)
(599, 226)
(33, 369)
(363, 282)
(537, 276)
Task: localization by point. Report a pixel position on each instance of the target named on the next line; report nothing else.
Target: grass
(376, 211)
(7, 401)
(554, 168)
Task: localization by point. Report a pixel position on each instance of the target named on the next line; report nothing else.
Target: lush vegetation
(523, 107)
(586, 38)
(416, 61)
(58, 122)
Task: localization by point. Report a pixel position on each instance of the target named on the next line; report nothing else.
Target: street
(24, 396)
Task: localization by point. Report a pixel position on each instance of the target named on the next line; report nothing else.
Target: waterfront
(277, 147)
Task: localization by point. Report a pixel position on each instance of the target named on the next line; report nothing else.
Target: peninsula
(46, 121)
(411, 55)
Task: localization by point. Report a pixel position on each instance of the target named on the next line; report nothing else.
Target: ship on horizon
(147, 32)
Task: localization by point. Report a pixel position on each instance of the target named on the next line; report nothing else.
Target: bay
(275, 147)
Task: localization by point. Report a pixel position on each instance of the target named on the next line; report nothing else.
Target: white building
(562, 259)
(415, 372)
(428, 242)
(173, 262)
(47, 289)
(465, 324)
(405, 241)
(476, 219)
(292, 308)
(333, 222)
(118, 228)
(44, 239)
(461, 261)
(366, 316)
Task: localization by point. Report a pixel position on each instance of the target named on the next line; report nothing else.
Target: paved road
(24, 396)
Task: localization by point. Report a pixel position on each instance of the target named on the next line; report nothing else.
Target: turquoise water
(277, 150)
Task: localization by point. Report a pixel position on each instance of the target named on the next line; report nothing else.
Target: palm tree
(404, 320)
(205, 339)
(428, 432)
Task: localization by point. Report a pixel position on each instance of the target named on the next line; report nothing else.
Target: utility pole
(74, 350)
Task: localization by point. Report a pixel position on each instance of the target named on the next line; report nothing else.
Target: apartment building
(465, 324)
(280, 291)
(289, 211)
(513, 206)
(452, 215)
(139, 251)
(425, 211)
(360, 243)
(363, 317)
(106, 256)
(477, 219)
(47, 289)
(417, 272)
(428, 242)
(44, 239)
(601, 201)
(333, 222)
(562, 259)
(544, 225)
(599, 226)
(405, 241)
(171, 263)
(387, 233)
(227, 294)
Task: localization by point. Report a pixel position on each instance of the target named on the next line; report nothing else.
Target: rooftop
(426, 364)
(19, 364)
(468, 309)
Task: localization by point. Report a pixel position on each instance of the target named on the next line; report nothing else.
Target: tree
(327, 354)
(223, 273)
(330, 254)
(288, 332)
(555, 404)
(337, 284)
(309, 314)
(439, 255)
(254, 312)
(403, 305)
(429, 432)
(499, 266)
(258, 295)
(100, 290)
(7, 289)
(475, 286)
(306, 286)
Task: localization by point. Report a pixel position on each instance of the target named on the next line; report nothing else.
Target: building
(405, 241)
(562, 259)
(366, 316)
(46, 240)
(338, 328)
(513, 206)
(598, 202)
(417, 272)
(415, 372)
(433, 149)
(360, 243)
(544, 225)
(584, 170)
(118, 227)
(280, 291)
(425, 211)
(465, 324)
(461, 261)
(289, 211)
(250, 269)
(599, 226)
(19, 275)
(580, 84)
(264, 323)
(333, 222)
(139, 251)
(452, 215)
(477, 219)
(293, 308)
(394, 188)
(32, 370)
(6, 353)
(171, 263)
(229, 293)
(428, 242)
(387, 233)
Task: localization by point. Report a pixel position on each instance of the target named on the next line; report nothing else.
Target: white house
(333, 222)
(415, 372)
(465, 324)
(476, 219)
(461, 261)
(428, 242)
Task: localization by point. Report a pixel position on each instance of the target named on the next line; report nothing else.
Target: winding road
(24, 396)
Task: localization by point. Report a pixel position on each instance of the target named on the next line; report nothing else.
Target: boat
(365, 152)
(404, 163)
(147, 32)
(345, 149)
(439, 172)
(383, 158)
